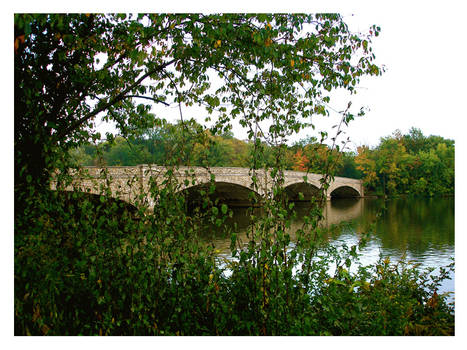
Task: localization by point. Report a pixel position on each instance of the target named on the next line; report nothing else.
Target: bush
(103, 269)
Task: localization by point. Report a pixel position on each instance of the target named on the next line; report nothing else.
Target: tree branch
(148, 98)
(75, 124)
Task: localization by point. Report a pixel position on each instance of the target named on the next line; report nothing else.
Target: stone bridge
(233, 185)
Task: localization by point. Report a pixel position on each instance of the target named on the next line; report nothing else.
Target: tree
(409, 164)
(87, 265)
(348, 167)
(367, 165)
(415, 141)
(72, 69)
(389, 162)
(124, 153)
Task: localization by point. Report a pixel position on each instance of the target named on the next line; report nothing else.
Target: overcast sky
(422, 45)
(424, 53)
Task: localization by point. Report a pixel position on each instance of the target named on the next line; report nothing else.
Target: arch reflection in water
(418, 227)
(334, 213)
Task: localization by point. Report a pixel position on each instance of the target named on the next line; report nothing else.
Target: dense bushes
(103, 269)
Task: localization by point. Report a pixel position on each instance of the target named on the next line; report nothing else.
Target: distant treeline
(400, 164)
(408, 164)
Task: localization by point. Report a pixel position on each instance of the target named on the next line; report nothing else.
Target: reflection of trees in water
(407, 224)
(417, 225)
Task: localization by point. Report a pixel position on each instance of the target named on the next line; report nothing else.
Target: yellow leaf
(45, 329)
(292, 63)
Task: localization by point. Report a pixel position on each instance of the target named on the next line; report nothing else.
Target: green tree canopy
(409, 164)
(71, 69)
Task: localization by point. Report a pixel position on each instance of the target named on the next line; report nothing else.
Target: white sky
(423, 52)
(422, 44)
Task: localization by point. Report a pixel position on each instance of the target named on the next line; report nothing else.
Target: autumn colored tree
(408, 164)
(300, 161)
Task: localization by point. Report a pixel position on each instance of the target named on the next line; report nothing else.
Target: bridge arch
(230, 193)
(75, 197)
(308, 190)
(345, 192)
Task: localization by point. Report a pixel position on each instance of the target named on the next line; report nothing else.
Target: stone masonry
(131, 183)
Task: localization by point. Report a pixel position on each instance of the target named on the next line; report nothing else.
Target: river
(421, 229)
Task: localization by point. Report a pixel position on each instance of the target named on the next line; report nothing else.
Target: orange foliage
(300, 161)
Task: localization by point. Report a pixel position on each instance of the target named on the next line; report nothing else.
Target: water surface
(421, 229)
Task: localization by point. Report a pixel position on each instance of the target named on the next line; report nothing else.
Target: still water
(421, 229)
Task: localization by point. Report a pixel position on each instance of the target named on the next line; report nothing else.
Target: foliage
(383, 299)
(409, 164)
(155, 146)
(91, 265)
(69, 69)
(141, 279)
